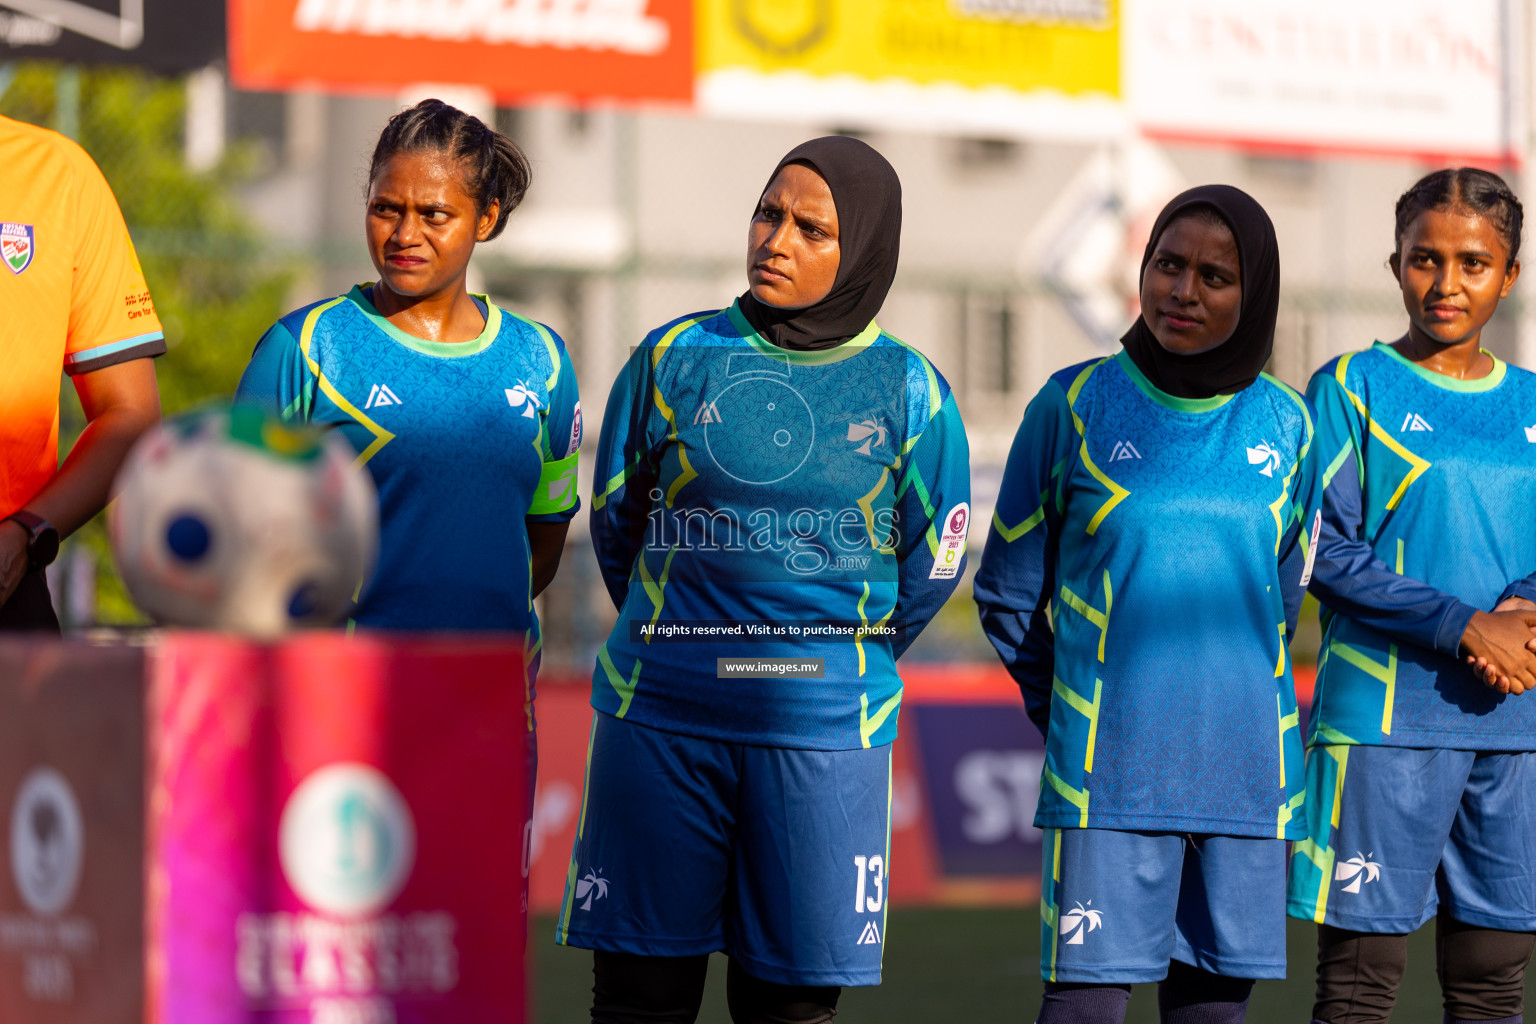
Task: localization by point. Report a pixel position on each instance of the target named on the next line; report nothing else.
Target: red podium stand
(206, 831)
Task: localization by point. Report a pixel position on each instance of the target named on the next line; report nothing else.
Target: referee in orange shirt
(72, 298)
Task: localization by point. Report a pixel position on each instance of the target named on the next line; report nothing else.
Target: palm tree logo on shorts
(591, 886)
(1079, 921)
(1359, 868)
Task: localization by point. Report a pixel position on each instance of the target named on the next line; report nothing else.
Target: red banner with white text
(584, 49)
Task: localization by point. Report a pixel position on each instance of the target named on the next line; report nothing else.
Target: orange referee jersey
(72, 295)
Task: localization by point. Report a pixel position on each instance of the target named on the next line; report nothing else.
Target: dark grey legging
(632, 989)
(1187, 996)
(1482, 972)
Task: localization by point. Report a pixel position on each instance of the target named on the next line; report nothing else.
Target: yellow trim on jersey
(688, 474)
(1287, 812)
(1092, 614)
(935, 398)
(581, 828)
(870, 724)
(549, 346)
(1076, 797)
(1117, 494)
(803, 357)
(1418, 466)
(625, 688)
(1385, 674)
(858, 638)
(867, 505)
(600, 498)
(381, 437)
(1013, 533)
(530, 654)
(1287, 723)
(1088, 709)
(655, 589)
(1049, 913)
(865, 627)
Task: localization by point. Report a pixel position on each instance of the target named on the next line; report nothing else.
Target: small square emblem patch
(17, 246)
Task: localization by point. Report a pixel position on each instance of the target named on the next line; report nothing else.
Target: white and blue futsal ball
(227, 519)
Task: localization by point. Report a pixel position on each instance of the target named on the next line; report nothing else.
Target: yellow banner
(1069, 46)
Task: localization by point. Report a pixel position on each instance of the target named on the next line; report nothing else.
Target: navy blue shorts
(1116, 907)
(1394, 833)
(687, 846)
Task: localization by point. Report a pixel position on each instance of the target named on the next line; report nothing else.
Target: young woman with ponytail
(1421, 754)
(452, 403)
(466, 414)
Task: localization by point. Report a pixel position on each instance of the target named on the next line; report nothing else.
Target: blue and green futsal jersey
(464, 441)
(1141, 581)
(752, 502)
(1429, 492)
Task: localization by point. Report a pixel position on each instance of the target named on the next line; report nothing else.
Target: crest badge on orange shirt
(17, 246)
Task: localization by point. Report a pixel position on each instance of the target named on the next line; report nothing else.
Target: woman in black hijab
(1227, 367)
(867, 198)
(1148, 557)
(781, 504)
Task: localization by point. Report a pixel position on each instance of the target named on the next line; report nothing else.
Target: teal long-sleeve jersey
(1429, 514)
(1141, 580)
(752, 502)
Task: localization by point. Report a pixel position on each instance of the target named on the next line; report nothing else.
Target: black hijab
(1236, 363)
(867, 195)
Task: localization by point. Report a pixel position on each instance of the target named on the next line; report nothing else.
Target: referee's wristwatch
(42, 538)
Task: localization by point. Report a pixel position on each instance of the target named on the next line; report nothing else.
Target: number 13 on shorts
(871, 872)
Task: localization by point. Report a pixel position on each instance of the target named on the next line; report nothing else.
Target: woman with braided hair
(466, 414)
(452, 402)
(1421, 767)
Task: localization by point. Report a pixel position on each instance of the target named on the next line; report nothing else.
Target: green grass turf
(979, 966)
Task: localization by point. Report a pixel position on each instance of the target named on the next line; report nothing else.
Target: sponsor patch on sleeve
(1317, 528)
(946, 563)
(575, 432)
